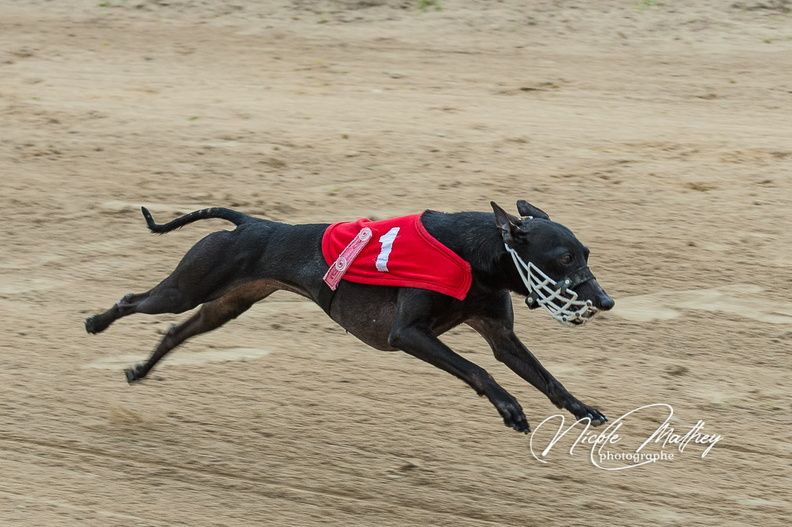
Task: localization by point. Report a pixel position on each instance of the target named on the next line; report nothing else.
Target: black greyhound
(229, 271)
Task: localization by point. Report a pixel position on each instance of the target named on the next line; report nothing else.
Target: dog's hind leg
(126, 306)
(204, 271)
(211, 316)
(164, 298)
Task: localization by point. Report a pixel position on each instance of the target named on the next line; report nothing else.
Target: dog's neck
(475, 237)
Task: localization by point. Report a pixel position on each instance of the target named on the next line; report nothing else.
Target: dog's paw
(582, 411)
(96, 324)
(134, 374)
(520, 424)
(91, 325)
(512, 414)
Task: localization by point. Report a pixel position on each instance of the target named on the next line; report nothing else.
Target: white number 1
(387, 245)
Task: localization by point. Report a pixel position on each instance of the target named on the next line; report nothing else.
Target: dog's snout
(592, 292)
(604, 302)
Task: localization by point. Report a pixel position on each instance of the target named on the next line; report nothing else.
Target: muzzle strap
(557, 297)
(577, 277)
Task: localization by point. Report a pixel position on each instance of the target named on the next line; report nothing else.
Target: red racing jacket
(401, 253)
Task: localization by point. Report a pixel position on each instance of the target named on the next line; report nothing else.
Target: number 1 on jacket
(387, 245)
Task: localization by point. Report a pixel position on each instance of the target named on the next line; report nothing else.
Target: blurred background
(658, 131)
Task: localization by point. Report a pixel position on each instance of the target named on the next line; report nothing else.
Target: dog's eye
(566, 259)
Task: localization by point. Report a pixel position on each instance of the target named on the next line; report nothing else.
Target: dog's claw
(597, 418)
(520, 425)
(581, 411)
(523, 427)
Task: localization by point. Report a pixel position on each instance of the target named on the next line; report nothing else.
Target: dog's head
(552, 264)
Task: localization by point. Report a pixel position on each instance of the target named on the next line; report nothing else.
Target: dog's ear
(526, 209)
(509, 225)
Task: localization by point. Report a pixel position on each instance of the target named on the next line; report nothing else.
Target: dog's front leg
(418, 341)
(508, 349)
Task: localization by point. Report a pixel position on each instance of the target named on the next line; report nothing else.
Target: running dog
(228, 271)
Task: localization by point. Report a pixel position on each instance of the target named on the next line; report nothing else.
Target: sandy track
(660, 134)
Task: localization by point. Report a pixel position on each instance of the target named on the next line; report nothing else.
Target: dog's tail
(233, 216)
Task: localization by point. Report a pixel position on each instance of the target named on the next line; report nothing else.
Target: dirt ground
(659, 131)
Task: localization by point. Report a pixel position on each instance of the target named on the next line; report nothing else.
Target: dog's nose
(605, 302)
